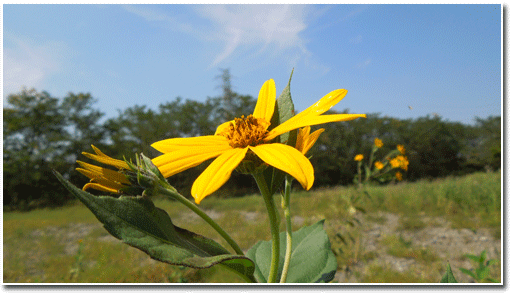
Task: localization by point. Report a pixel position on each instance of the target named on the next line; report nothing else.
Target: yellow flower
(404, 163)
(305, 140)
(379, 165)
(399, 176)
(378, 143)
(358, 157)
(104, 179)
(247, 138)
(395, 163)
(401, 149)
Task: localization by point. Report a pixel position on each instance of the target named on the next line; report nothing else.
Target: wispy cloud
(364, 64)
(29, 64)
(251, 29)
(266, 26)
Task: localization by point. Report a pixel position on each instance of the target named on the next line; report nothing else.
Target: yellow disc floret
(245, 131)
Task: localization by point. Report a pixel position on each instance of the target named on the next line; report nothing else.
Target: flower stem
(273, 217)
(204, 216)
(287, 215)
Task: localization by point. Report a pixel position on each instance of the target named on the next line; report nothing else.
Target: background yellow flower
(378, 143)
(358, 157)
(401, 149)
(379, 165)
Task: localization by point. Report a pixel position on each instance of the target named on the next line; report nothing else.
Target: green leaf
(283, 111)
(137, 222)
(448, 276)
(312, 259)
(468, 272)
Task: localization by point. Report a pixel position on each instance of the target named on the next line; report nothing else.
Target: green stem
(204, 216)
(274, 225)
(287, 215)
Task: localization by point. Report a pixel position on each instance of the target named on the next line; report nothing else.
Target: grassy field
(399, 233)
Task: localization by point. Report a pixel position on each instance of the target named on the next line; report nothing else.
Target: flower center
(246, 131)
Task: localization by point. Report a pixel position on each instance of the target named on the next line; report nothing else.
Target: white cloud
(27, 64)
(272, 31)
(260, 25)
(364, 64)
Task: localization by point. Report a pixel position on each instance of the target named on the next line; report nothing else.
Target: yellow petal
(224, 126)
(217, 173)
(102, 158)
(310, 140)
(173, 144)
(302, 135)
(287, 159)
(290, 124)
(323, 105)
(102, 172)
(183, 159)
(266, 101)
(100, 187)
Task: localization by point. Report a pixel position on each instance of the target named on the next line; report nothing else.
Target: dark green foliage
(43, 133)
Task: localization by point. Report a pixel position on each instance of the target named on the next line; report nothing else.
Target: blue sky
(443, 59)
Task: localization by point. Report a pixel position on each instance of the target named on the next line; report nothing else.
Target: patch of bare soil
(447, 243)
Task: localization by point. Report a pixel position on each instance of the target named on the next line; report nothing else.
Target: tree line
(42, 133)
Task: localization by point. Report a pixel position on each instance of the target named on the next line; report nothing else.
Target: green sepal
(312, 261)
(137, 222)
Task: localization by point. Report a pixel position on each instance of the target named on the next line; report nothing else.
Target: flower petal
(173, 144)
(287, 159)
(324, 104)
(224, 126)
(100, 187)
(302, 135)
(266, 101)
(290, 124)
(217, 173)
(311, 139)
(185, 158)
(99, 172)
(102, 158)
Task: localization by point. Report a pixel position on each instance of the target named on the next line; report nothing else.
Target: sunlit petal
(309, 120)
(183, 159)
(302, 135)
(102, 158)
(310, 140)
(287, 159)
(99, 187)
(173, 144)
(323, 105)
(224, 126)
(217, 173)
(266, 101)
(100, 172)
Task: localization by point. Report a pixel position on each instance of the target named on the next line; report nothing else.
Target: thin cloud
(272, 31)
(27, 64)
(364, 64)
(256, 25)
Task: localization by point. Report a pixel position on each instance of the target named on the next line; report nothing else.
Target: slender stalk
(274, 226)
(287, 216)
(204, 216)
